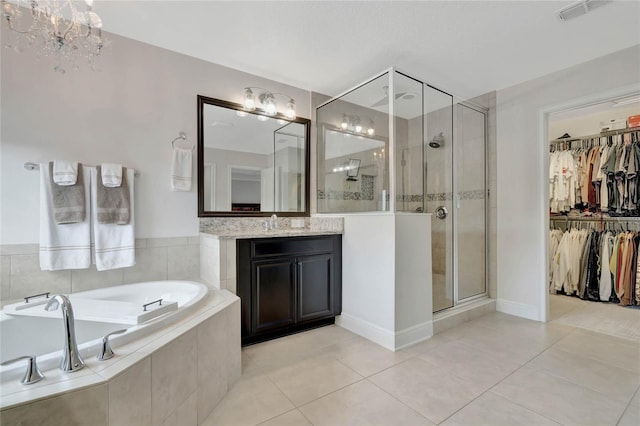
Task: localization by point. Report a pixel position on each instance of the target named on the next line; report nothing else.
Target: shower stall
(396, 144)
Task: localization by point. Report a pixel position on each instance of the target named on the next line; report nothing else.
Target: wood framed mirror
(251, 163)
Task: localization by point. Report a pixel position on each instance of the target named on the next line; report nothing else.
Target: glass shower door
(470, 200)
(438, 154)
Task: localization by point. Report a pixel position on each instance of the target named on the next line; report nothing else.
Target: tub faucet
(71, 359)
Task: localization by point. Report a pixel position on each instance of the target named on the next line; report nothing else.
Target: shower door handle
(441, 212)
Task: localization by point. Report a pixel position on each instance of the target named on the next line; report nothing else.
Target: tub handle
(159, 302)
(33, 373)
(26, 299)
(106, 352)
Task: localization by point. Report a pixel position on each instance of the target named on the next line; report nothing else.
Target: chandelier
(55, 27)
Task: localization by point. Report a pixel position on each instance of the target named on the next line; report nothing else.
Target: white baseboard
(517, 309)
(373, 332)
(412, 335)
(383, 337)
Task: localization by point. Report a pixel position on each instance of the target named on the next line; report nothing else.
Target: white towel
(181, 169)
(64, 246)
(111, 175)
(65, 173)
(114, 245)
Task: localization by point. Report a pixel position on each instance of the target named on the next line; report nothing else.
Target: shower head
(437, 141)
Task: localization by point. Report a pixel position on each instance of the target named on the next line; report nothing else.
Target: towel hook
(181, 136)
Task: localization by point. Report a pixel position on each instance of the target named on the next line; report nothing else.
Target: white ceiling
(464, 47)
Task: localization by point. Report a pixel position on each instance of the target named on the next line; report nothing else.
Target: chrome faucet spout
(71, 359)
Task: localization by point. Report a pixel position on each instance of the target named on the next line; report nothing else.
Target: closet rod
(35, 166)
(596, 219)
(599, 135)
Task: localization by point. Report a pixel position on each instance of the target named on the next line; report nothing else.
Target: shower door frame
(456, 195)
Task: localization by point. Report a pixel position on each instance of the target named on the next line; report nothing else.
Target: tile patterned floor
(495, 370)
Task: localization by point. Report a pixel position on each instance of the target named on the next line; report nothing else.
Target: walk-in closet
(594, 224)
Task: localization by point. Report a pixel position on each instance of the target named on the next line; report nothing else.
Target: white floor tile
(362, 403)
(310, 379)
(559, 399)
(491, 409)
(426, 388)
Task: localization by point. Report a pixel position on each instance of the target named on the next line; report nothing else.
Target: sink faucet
(71, 360)
(272, 223)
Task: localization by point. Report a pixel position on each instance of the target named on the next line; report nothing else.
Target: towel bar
(35, 166)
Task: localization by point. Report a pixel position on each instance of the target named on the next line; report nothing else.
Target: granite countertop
(254, 233)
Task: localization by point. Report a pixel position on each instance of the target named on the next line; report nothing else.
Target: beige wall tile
(5, 277)
(231, 269)
(173, 375)
(223, 259)
(183, 262)
(151, 265)
(210, 261)
(83, 407)
(91, 279)
(185, 414)
(167, 242)
(234, 349)
(212, 364)
(28, 279)
(130, 396)
(9, 249)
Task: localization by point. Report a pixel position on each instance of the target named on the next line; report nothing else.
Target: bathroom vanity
(288, 284)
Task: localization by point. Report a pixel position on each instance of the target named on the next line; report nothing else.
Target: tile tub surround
(185, 368)
(157, 259)
(218, 242)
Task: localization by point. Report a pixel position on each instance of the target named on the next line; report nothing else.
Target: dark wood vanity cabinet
(288, 284)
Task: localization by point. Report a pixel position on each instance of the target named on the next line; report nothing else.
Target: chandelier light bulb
(370, 131)
(358, 128)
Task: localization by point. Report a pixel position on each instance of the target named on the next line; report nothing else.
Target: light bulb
(249, 101)
(358, 128)
(345, 122)
(270, 106)
(291, 110)
(370, 131)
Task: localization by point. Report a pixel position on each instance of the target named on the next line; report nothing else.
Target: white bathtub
(43, 336)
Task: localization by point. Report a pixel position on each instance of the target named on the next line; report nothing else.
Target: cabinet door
(273, 298)
(315, 287)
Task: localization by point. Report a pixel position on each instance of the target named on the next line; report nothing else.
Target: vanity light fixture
(57, 28)
(345, 122)
(370, 130)
(353, 124)
(267, 102)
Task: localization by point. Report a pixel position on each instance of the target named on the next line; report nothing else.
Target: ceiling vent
(580, 8)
